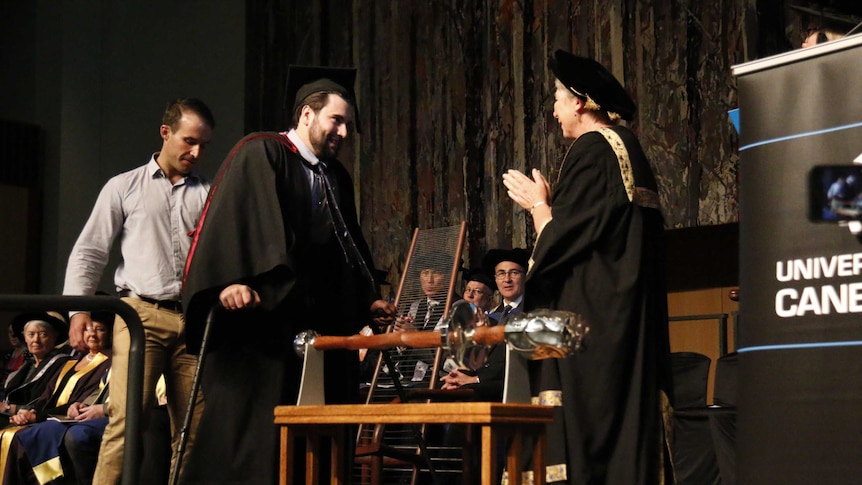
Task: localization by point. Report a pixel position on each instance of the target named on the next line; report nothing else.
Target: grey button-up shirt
(155, 221)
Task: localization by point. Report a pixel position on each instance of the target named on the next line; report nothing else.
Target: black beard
(323, 150)
(320, 144)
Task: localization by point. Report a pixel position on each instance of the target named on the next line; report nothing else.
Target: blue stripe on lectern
(801, 135)
(814, 345)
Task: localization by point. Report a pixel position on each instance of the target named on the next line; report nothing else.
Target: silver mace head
(301, 339)
(541, 334)
(547, 334)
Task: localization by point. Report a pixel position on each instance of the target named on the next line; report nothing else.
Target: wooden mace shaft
(481, 336)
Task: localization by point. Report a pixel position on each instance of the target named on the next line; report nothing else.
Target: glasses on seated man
(512, 273)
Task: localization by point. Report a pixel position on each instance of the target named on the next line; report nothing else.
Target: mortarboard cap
(303, 81)
(481, 276)
(519, 256)
(104, 317)
(53, 319)
(589, 79)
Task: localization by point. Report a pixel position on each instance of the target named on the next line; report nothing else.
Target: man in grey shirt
(154, 209)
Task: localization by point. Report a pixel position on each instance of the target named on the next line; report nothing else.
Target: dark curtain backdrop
(452, 93)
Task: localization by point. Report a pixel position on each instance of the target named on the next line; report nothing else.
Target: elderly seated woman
(41, 331)
(72, 399)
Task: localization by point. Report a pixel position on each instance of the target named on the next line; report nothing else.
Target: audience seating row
(703, 436)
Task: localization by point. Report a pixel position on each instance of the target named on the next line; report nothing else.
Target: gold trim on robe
(548, 398)
(63, 399)
(553, 473)
(6, 436)
(48, 471)
(638, 195)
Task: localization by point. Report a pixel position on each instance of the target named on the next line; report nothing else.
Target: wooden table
(518, 421)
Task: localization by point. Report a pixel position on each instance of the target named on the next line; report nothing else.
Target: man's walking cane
(196, 384)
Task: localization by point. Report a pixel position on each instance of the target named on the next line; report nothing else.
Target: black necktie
(421, 312)
(431, 314)
(505, 313)
(318, 193)
(345, 239)
(321, 221)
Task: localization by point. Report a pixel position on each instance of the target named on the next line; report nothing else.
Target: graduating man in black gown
(279, 247)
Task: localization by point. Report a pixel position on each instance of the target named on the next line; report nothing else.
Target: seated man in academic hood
(485, 367)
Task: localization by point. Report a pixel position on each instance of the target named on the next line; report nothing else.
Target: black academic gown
(492, 371)
(603, 257)
(21, 391)
(255, 230)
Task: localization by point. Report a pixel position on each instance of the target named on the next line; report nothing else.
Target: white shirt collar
(514, 303)
(304, 151)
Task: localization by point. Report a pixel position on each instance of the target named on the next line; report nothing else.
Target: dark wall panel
(455, 92)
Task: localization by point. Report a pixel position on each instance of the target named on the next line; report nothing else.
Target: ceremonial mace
(538, 335)
(541, 334)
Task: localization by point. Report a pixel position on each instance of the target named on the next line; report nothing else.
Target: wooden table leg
(336, 474)
(286, 465)
(312, 460)
(513, 457)
(489, 455)
(538, 435)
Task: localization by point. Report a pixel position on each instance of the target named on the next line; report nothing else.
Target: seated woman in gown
(73, 400)
(41, 331)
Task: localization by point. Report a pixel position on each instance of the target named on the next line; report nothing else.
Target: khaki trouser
(165, 353)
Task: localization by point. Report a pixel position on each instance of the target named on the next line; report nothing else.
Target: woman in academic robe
(599, 252)
(41, 331)
(34, 451)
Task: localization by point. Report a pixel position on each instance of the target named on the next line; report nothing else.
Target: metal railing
(135, 390)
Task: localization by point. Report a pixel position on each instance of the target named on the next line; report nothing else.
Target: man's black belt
(172, 305)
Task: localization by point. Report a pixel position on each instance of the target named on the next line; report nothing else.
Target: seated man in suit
(479, 290)
(509, 268)
(425, 314)
(487, 366)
